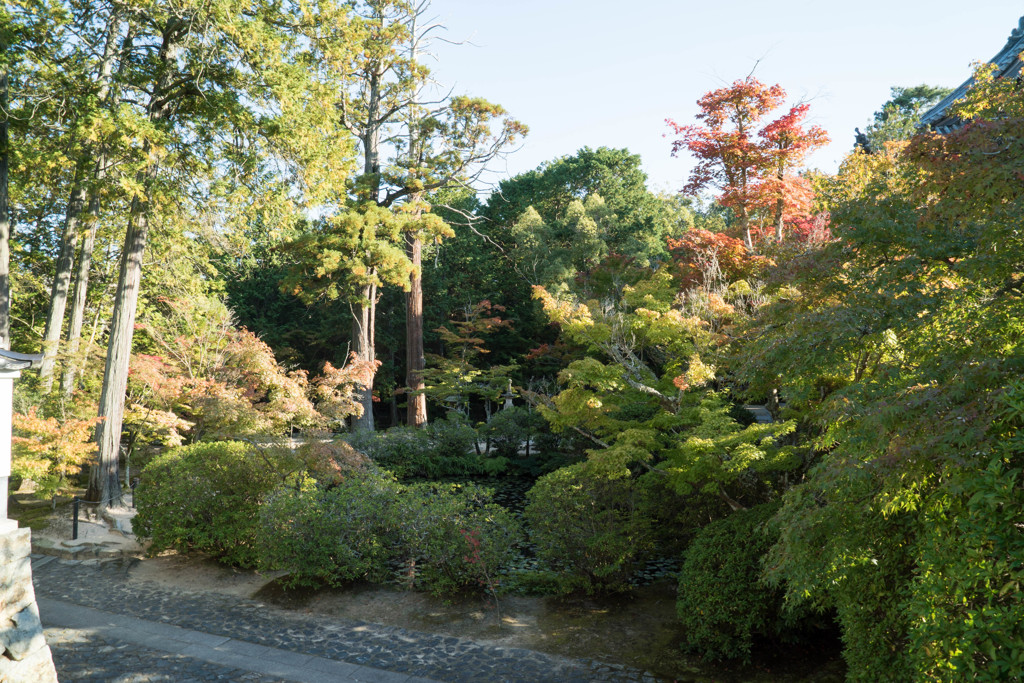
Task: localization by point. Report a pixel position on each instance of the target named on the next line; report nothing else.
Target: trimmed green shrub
(446, 536)
(329, 537)
(402, 450)
(206, 497)
(509, 429)
(443, 449)
(587, 523)
(723, 603)
(455, 537)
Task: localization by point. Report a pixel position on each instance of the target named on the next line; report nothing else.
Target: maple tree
(48, 450)
(752, 164)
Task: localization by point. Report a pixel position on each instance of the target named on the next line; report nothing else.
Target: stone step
(82, 549)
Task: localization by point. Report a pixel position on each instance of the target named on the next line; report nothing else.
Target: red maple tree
(752, 165)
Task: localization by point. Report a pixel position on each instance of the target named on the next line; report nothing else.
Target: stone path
(104, 628)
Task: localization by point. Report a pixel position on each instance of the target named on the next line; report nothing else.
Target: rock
(36, 667)
(16, 592)
(14, 545)
(25, 636)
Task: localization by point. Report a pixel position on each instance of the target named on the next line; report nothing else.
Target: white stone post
(24, 654)
(7, 378)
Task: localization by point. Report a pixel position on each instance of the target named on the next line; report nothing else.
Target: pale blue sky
(607, 73)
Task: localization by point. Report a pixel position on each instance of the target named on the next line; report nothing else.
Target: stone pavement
(102, 627)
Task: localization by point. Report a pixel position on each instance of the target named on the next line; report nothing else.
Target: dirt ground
(638, 630)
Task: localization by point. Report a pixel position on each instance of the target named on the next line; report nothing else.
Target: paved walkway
(102, 627)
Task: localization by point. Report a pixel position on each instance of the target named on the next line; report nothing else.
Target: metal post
(74, 524)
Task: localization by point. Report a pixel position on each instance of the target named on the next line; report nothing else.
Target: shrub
(206, 497)
(509, 429)
(586, 522)
(332, 536)
(401, 450)
(447, 536)
(461, 537)
(442, 449)
(723, 603)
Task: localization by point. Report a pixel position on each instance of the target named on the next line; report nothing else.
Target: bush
(447, 537)
(586, 522)
(722, 602)
(461, 537)
(401, 450)
(206, 497)
(509, 429)
(442, 449)
(332, 536)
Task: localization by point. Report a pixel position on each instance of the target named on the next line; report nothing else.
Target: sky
(600, 73)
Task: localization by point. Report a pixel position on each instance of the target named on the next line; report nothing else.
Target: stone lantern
(24, 654)
(11, 365)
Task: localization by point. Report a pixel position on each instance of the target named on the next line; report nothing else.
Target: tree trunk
(362, 346)
(5, 220)
(62, 279)
(415, 362)
(779, 206)
(104, 484)
(81, 288)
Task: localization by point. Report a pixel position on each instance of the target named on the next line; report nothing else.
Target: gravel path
(103, 586)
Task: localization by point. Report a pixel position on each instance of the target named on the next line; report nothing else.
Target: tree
(431, 146)
(642, 219)
(898, 346)
(755, 176)
(898, 118)
(89, 160)
(787, 144)
(219, 85)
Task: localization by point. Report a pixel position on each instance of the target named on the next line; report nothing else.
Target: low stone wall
(25, 655)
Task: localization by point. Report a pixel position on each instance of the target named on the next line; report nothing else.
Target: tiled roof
(1008, 65)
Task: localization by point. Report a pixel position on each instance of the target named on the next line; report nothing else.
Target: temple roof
(1008, 65)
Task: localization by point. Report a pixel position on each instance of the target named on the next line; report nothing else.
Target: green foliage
(588, 524)
(966, 609)
(455, 537)
(717, 454)
(447, 537)
(510, 428)
(641, 220)
(724, 606)
(329, 537)
(898, 118)
(443, 449)
(206, 497)
(898, 347)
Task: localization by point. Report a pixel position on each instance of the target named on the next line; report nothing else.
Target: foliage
(896, 344)
(641, 219)
(447, 537)
(898, 118)
(587, 523)
(211, 380)
(443, 449)
(329, 536)
(966, 602)
(206, 497)
(458, 376)
(724, 606)
(719, 457)
(455, 537)
(757, 177)
(48, 450)
(509, 429)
